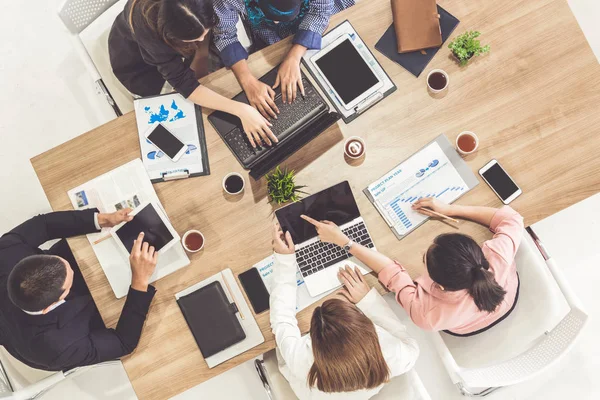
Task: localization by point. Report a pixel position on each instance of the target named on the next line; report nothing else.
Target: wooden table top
(534, 102)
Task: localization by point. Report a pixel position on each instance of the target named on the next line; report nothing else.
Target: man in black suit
(48, 319)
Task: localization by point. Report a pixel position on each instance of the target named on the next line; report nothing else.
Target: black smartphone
(255, 290)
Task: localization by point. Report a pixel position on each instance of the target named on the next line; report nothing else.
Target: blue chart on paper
(171, 113)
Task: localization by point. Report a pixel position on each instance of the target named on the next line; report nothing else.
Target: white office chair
(20, 382)
(545, 323)
(89, 22)
(407, 386)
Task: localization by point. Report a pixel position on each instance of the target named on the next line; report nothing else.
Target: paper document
(303, 298)
(428, 173)
(178, 115)
(126, 186)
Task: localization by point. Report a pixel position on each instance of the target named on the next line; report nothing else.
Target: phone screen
(500, 181)
(255, 289)
(165, 141)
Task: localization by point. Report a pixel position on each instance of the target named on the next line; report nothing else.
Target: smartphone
(166, 142)
(500, 182)
(255, 290)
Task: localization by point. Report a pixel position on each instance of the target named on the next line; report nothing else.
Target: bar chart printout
(427, 173)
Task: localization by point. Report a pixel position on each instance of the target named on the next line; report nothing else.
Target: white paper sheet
(178, 115)
(303, 298)
(428, 173)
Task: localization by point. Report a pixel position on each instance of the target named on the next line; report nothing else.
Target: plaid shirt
(308, 32)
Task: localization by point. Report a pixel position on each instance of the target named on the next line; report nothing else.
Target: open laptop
(296, 125)
(319, 262)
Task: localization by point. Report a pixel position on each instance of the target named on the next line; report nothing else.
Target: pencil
(102, 239)
(440, 215)
(232, 296)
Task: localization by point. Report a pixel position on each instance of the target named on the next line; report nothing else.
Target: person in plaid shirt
(269, 21)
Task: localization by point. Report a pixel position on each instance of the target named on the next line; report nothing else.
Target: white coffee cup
(185, 235)
(441, 71)
(234, 174)
(358, 146)
(471, 134)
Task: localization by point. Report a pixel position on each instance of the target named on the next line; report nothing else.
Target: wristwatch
(348, 245)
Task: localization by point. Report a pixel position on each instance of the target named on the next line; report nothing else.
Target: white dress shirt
(295, 353)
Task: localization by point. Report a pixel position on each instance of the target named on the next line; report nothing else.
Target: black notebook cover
(415, 62)
(211, 319)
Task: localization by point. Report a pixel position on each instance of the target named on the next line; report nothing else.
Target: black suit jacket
(72, 334)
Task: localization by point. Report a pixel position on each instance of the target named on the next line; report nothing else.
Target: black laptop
(297, 124)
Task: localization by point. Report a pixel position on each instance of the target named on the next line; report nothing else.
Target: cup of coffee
(467, 143)
(354, 147)
(233, 183)
(193, 241)
(437, 81)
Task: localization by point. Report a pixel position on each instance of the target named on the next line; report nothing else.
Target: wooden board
(534, 101)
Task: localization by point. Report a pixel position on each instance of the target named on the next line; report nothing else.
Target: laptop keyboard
(320, 255)
(286, 123)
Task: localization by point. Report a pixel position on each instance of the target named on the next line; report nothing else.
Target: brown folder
(417, 24)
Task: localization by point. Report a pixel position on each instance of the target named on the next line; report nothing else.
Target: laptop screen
(335, 204)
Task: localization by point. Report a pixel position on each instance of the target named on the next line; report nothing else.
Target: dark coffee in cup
(233, 184)
(194, 241)
(437, 81)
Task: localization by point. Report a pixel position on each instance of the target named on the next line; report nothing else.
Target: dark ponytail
(456, 262)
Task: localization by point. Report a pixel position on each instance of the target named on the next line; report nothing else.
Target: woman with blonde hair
(356, 343)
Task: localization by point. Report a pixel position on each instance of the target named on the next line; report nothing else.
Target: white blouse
(295, 354)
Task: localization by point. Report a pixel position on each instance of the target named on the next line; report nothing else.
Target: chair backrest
(78, 14)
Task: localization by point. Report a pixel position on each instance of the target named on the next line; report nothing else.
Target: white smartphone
(346, 72)
(500, 182)
(166, 142)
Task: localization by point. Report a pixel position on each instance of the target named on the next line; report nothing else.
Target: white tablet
(150, 219)
(346, 72)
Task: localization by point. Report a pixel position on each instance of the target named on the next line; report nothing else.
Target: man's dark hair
(36, 282)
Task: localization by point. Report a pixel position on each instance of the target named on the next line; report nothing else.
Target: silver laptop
(319, 262)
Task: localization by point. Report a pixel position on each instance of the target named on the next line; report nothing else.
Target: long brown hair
(176, 20)
(346, 349)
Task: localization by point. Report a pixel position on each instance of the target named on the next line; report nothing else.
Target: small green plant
(281, 187)
(466, 46)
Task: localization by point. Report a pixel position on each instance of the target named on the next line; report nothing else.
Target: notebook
(212, 319)
(416, 24)
(415, 62)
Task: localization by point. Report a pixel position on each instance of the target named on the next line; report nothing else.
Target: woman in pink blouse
(466, 289)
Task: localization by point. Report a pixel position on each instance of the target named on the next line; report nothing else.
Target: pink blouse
(434, 309)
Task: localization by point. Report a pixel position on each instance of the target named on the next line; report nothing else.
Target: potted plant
(281, 186)
(466, 46)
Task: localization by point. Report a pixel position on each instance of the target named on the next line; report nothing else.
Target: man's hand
(260, 96)
(355, 287)
(282, 244)
(110, 220)
(328, 231)
(143, 261)
(289, 75)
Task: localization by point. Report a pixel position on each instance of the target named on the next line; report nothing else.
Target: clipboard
(184, 119)
(400, 172)
(388, 87)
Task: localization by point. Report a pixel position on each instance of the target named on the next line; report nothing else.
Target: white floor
(47, 98)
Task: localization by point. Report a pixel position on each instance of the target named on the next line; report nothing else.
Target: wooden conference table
(534, 101)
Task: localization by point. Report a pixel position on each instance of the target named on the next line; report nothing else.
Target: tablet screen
(148, 221)
(347, 71)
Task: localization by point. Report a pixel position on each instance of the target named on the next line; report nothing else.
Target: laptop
(319, 262)
(296, 125)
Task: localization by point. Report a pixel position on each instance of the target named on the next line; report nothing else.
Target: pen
(232, 296)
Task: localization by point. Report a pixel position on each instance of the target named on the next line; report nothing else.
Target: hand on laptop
(282, 244)
(260, 96)
(355, 287)
(289, 75)
(113, 219)
(255, 125)
(143, 261)
(328, 231)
